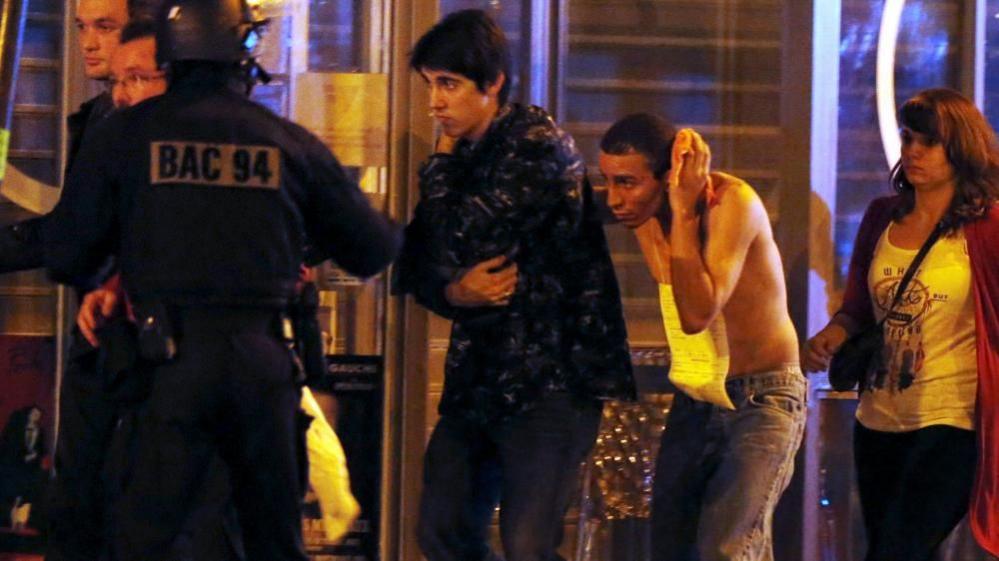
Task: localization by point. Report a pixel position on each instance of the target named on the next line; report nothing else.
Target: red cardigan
(983, 251)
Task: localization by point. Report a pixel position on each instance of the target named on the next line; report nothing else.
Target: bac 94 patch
(219, 165)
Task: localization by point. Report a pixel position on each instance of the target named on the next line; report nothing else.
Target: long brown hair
(970, 144)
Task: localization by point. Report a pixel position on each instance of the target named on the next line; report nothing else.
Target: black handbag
(852, 362)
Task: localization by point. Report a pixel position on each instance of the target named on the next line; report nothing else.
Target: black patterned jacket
(520, 191)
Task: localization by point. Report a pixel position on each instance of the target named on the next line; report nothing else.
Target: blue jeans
(720, 473)
(528, 464)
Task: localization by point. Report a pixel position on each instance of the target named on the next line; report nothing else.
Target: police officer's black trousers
(84, 482)
(229, 391)
(86, 420)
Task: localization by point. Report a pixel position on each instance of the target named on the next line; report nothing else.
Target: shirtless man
(734, 428)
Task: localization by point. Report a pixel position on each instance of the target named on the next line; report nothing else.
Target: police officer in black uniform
(206, 199)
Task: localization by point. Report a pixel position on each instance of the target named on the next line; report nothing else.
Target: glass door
(876, 55)
(328, 61)
(29, 303)
(731, 70)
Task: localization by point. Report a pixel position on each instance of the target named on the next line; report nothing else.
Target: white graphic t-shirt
(927, 373)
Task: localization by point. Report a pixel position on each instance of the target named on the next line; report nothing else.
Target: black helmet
(206, 30)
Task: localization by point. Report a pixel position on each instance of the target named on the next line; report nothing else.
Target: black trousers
(528, 464)
(914, 488)
(229, 393)
(76, 499)
(95, 430)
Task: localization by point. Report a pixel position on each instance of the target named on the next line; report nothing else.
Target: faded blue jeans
(529, 464)
(720, 473)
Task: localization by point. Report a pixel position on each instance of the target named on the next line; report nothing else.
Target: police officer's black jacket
(21, 243)
(520, 191)
(208, 197)
(84, 121)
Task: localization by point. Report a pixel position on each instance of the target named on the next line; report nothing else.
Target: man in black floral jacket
(506, 243)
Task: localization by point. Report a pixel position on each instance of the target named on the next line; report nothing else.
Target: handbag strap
(911, 271)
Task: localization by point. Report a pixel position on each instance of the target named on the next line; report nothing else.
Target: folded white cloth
(328, 472)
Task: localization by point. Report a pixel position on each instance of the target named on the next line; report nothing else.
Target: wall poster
(27, 430)
(350, 397)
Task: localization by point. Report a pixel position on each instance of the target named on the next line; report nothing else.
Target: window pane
(927, 55)
(992, 62)
(713, 66)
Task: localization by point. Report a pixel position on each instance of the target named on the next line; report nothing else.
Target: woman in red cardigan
(927, 432)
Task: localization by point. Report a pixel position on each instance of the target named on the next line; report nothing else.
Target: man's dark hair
(469, 43)
(138, 28)
(645, 134)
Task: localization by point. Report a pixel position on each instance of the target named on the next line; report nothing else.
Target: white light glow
(891, 17)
